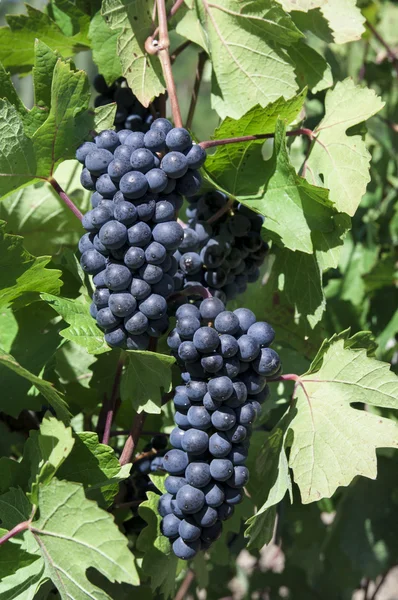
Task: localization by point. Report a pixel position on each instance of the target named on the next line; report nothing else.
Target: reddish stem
(161, 48)
(186, 584)
(392, 55)
(132, 439)
(15, 531)
(252, 138)
(65, 197)
(288, 377)
(112, 405)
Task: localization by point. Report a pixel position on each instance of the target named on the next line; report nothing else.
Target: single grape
(142, 160)
(155, 139)
(190, 499)
(220, 388)
(249, 348)
(139, 288)
(239, 477)
(214, 494)
(178, 139)
(83, 150)
(246, 318)
(133, 184)
(206, 339)
(154, 307)
(197, 474)
(170, 234)
(227, 322)
(210, 308)
(174, 164)
(106, 319)
(92, 262)
(185, 550)
(195, 441)
(267, 363)
(176, 437)
(98, 160)
(164, 506)
(117, 277)
(225, 511)
(162, 125)
(116, 338)
(187, 352)
(189, 530)
(262, 332)
(199, 417)
(122, 304)
(245, 414)
(107, 139)
(233, 496)
(139, 234)
(175, 462)
(221, 469)
(186, 327)
(196, 157)
(206, 517)
(169, 526)
(157, 180)
(173, 483)
(113, 235)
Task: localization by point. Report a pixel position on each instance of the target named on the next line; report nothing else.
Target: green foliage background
(323, 464)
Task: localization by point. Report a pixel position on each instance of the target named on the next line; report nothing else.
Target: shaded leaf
(147, 377)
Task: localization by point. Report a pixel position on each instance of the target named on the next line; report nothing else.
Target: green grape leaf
(250, 67)
(35, 142)
(269, 481)
(54, 397)
(18, 40)
(338, 161)
(334, 442)
(33, 341)
(189, 26)
(133, 19)
(15, 508)
(25, 581)
(96, 466)
(44, 452)
(82, 328)
(384, 273)
(39, 215)
(301, 218)
(23, 276)
(235, 167)
(159, 562)
(70, 525)
(312, 70)
(13, 557)
(344, 16)
(71, 19)
(104, 47)
(147, 377)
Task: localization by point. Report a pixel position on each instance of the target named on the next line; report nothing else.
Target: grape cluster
(226, 361)
(225, 255)
(130, 114)
(138, 182)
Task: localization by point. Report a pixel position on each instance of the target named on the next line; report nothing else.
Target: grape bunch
(138, 182)
(226, 360)
(130, 114)
(224, 255)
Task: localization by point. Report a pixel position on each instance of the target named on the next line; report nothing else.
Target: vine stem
(171, 14)
(227, 206)
(54, 183)
(112, 404)
(195, 92)
(15, 531)
(179, 49)
(186, 584)
(137, 425)
(161, 48)
(132, 440)
(259, 136)
(392, 55)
